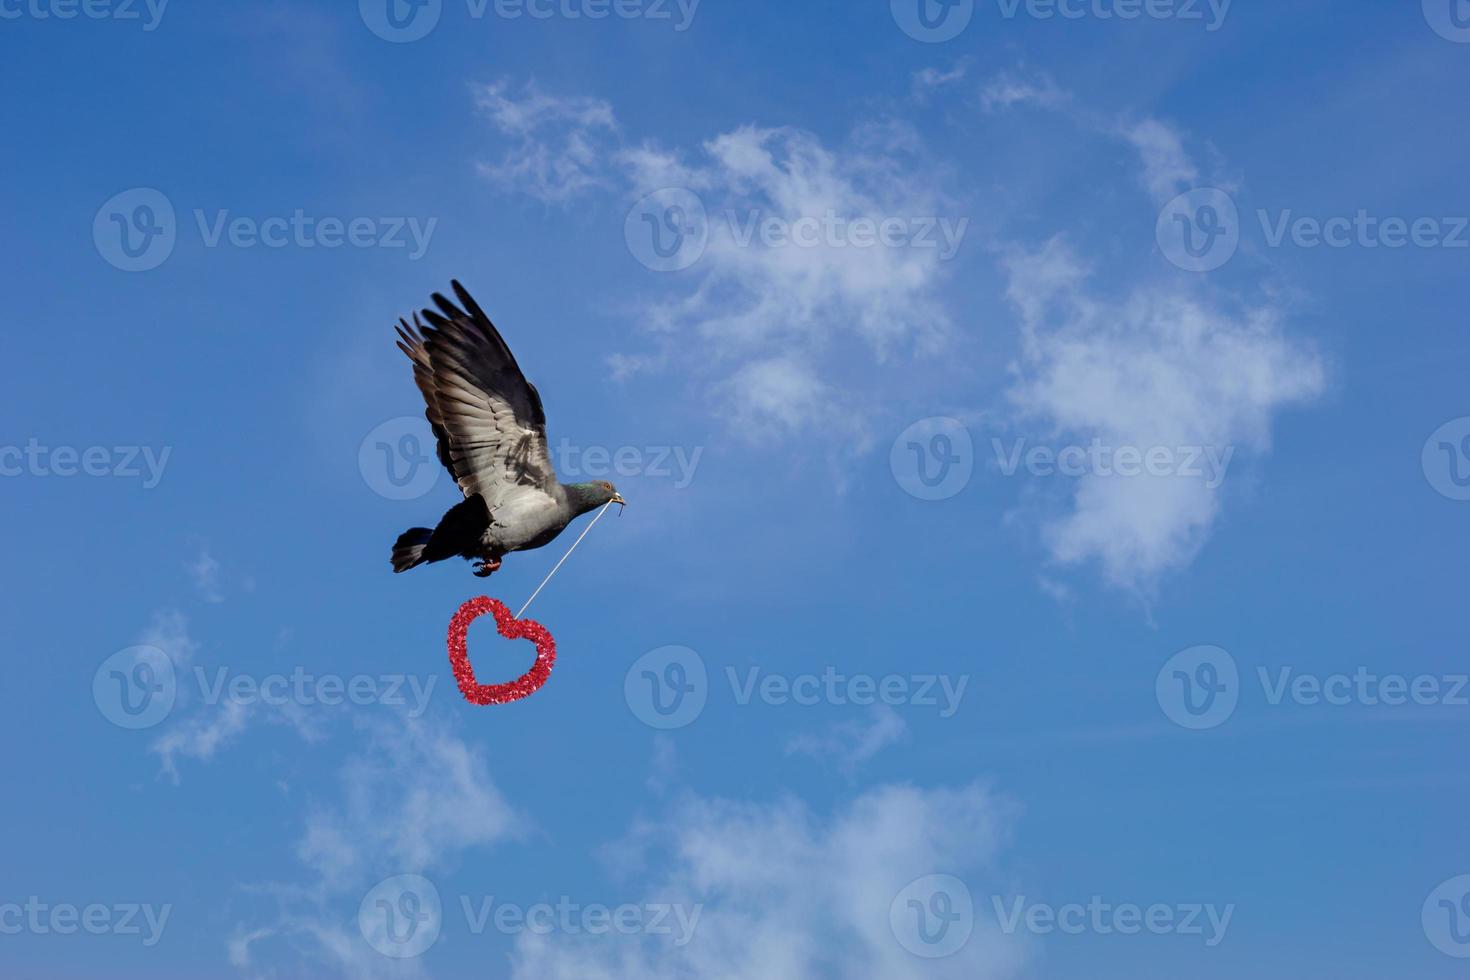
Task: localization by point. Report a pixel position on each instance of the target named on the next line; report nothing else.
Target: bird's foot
(485, 569)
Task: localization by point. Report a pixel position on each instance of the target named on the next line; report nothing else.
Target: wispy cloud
(927, 80)
(557, 144)
(204, 571)
(417, 795)
(851, 743)
(169, 632)
(1009, 89)
(200, 736)
(784, 893)
(413, 800)
(1167, 168)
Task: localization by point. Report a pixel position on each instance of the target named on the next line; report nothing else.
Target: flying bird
(491, 434)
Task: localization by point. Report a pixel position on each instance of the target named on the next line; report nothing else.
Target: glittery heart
(512, 629)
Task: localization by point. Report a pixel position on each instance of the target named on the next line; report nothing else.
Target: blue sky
(1046, 434)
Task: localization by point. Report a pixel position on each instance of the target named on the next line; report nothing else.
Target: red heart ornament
(512, 629)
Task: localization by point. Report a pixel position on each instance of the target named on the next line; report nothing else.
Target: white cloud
(201, 736)
(827, 304)
(1009, 89)
(415, 796)
(204, 571)
(828, 289)
(1167, 168)
(851, 743)
(927, 80)
(779, 393)
(413, 800)
(558, 144)
(169, 632)
(1161, 367)
(1175, 366)
(785, 894)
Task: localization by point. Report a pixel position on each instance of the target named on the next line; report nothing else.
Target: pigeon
(491, 434)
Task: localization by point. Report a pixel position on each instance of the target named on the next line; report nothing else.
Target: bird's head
(590, 496)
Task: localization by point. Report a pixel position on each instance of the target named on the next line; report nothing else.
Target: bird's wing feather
(411, 342)
(487, 417)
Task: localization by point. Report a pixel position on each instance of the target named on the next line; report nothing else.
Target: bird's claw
(484, 569)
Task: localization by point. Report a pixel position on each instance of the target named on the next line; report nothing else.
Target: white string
(564, 558)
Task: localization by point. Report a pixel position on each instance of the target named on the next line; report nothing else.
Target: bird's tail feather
(408, 550)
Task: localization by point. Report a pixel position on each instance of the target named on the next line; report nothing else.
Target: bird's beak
(617, 498)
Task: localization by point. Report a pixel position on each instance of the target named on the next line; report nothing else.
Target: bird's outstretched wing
(487, 418)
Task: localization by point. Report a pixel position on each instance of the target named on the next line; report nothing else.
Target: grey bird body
(490, 432)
